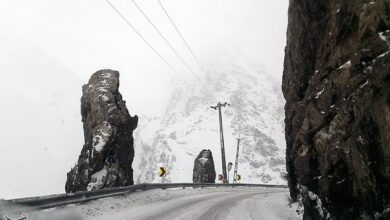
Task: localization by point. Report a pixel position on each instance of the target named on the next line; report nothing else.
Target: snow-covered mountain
(190, 125)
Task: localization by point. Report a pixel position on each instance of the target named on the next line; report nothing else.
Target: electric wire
(169, 44)
(144, 39)
(182, 38)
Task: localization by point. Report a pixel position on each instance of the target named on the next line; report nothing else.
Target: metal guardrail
(50, 201)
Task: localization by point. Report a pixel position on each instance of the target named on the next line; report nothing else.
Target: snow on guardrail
(50, 201)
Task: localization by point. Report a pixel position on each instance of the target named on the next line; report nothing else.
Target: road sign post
(161, 173)
(236, 163)
(221, 178)
(230, 165)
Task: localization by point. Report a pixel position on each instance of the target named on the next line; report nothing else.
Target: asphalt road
(247, 204)
(256, 203)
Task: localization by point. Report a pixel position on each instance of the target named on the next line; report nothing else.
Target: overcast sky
(49, 49)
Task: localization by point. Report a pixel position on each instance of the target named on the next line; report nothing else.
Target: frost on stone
(384, 214)
(107, 75)
(346, 65)
(306, 196)
(383, 37)
(104, 85)
(204, 169)
(98, 179)
(108, 134)
(384, 54)
(203, 160)
(101, 136)
(319, 93)
(364, 84)
(103, 97)
(313, 196)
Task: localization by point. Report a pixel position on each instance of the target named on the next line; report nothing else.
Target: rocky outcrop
(108, 152)
(204, 170)
(337, 86)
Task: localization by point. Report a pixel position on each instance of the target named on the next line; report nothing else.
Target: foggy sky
(49, 49)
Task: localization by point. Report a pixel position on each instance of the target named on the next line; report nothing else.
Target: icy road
(208, 203)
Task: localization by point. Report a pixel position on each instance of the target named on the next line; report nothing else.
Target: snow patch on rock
(98, 179)
(101, 136)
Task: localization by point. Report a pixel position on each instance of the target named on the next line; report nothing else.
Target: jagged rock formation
(204, 170)
(108, 152)
(337, 86)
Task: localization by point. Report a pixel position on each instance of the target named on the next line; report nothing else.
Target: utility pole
(219, 106)
(236, 164)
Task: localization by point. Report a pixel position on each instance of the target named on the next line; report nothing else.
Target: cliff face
(107, 155)
(336, 83)
(204, 170)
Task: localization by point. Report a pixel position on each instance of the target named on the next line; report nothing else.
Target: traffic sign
(162, 172)
(230, 165)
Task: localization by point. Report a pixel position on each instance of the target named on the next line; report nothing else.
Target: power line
(168, 43)
(182, 38)
(143, 38)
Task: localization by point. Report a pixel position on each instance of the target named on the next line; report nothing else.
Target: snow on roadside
(115, 207)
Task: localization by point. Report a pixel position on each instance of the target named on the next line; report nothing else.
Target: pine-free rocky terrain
(107, 155)
(337, 86)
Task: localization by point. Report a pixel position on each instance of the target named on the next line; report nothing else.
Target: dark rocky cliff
(204, 170)
(337, 86)
(107, 155)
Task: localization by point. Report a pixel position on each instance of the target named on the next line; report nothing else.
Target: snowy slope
(190, 125)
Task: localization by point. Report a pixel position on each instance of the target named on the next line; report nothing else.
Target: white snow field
(255, 203)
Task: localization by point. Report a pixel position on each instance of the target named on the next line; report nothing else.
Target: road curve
(247, 204)
(235, 203)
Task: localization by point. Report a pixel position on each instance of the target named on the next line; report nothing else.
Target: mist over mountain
(190, 125)
(42, 103)
(48, 50)
(40, 121)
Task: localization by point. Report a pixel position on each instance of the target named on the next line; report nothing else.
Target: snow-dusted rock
(204, 170)
(337, 86)
(108, 152)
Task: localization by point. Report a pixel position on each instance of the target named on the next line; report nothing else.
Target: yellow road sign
(162, 172)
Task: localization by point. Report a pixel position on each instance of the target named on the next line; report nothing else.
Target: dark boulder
(107, 155)
(336, 83)
(204, 170)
